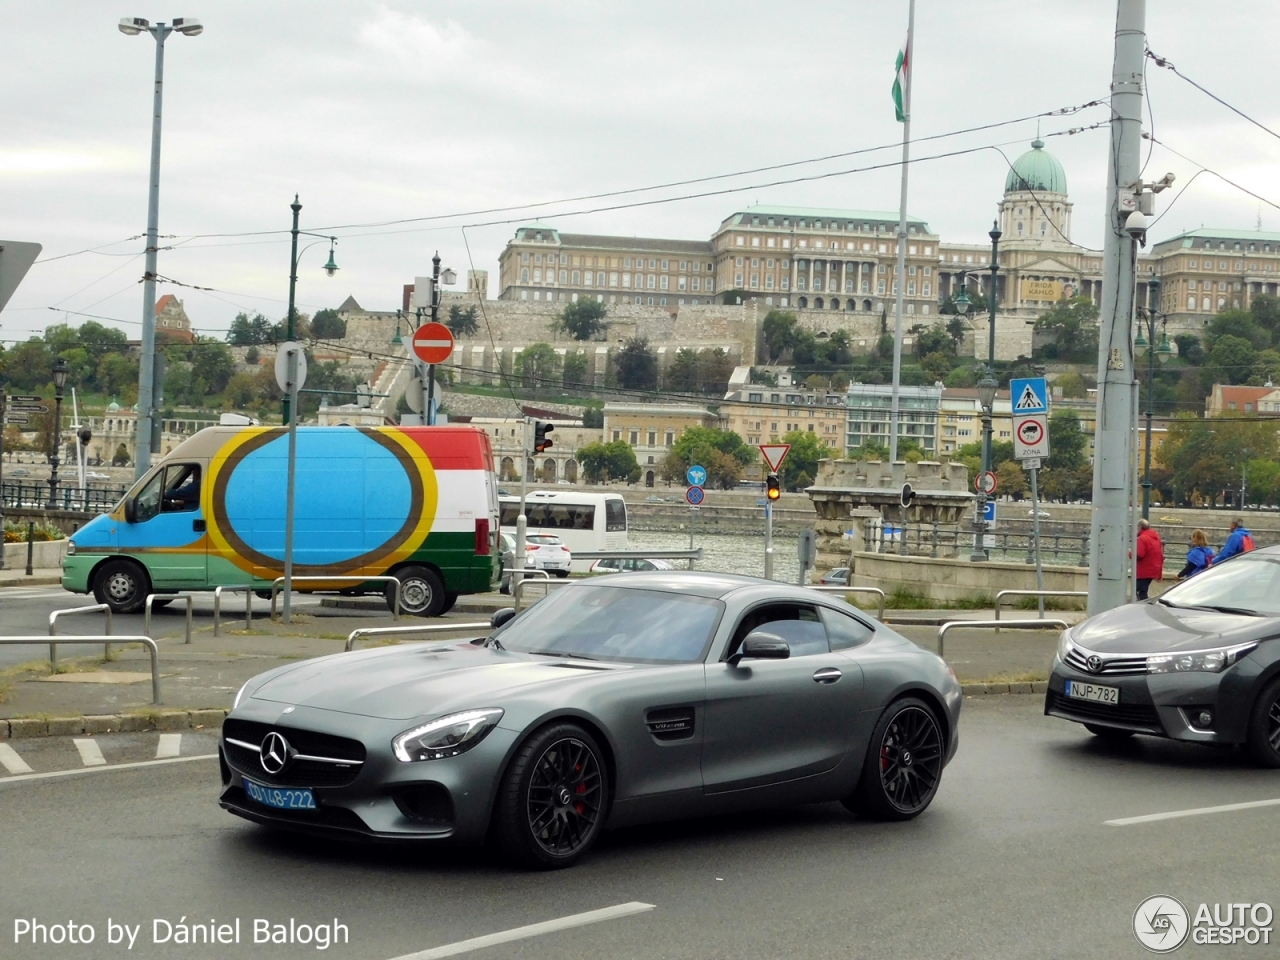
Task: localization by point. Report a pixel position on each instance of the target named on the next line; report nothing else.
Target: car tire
(1264, 726)
(421, 592)
(160, 602)
(122, 585)
(1112, 734)
(450, 599)
(903, 767)
(553, 798)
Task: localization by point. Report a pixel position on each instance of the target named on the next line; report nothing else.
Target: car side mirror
(501, 616)
(761, 645)
(131, 510)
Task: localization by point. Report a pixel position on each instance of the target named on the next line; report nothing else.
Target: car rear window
(615, 515)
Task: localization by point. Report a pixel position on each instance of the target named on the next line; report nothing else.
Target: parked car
(1043, 514)
(96, 476)
(20, 472)
(547, 552)
(629, 565)
(839, 577)
(654, 499)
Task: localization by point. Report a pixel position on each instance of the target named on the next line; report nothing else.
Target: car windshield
(614, 623)
(1250, 584)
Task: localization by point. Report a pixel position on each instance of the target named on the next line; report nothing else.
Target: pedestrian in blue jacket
(1238, 541)
(1198, 557)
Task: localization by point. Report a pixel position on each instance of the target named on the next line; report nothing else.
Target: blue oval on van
(352, 497)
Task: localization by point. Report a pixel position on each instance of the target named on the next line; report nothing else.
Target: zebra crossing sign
(1030, 396)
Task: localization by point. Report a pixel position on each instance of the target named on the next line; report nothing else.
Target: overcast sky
(377, 111)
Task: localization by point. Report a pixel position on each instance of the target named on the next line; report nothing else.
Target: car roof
(703, 584)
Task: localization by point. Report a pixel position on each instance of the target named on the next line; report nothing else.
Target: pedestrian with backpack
(1239, 540)
(1198, 557)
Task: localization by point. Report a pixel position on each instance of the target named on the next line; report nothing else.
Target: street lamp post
(1163, 352)
(60, 371)
(148, 438)
(294, 256)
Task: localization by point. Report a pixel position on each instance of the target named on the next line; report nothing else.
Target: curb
(993, 689)
(23, 727)
(31, 581)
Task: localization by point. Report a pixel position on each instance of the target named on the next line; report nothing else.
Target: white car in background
(629, 564)
(546, 551)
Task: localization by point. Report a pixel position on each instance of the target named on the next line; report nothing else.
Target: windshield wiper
(559, 653)
(1216, 608)
(494, 642)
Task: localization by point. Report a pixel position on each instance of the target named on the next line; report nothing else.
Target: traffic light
(85, 435)
(773, 487)
(908, 495)
(541, 438)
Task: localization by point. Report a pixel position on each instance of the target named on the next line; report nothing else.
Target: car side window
(844, 631)
(147, 504)
(182, 488)
(796, 623)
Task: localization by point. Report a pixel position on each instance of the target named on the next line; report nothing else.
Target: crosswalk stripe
(170, 745)
(90, 753)
(105, 768)
(10, 760)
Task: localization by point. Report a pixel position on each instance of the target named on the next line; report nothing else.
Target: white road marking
(105, 768)
(532, 930)
(90, 753)
(170, 745)
(1194, 812)
(10, 760)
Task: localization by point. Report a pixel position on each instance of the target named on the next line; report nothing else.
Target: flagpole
(900, 276)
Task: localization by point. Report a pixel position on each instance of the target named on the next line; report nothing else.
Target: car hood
(402, 683)
(1146, 628)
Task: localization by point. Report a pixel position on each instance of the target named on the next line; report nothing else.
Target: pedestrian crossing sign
(1030, 396)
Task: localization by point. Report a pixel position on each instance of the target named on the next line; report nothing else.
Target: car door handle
(827, 675)
(197, 526)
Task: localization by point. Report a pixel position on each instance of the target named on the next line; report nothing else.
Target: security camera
(188, 26)
(132, 26)
(1136, 226)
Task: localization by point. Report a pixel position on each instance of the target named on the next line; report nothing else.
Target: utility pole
(290, 322)
(900, 274)
(429, 403)
(1112, 467)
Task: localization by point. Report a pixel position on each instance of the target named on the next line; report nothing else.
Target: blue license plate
(282, 798)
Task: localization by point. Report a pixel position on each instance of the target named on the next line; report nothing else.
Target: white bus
(586, 522)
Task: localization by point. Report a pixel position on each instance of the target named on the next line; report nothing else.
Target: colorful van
(419, 503)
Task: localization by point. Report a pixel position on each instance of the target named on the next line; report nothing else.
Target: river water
(727, 552)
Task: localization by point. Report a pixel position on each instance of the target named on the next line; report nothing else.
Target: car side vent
(671, 723)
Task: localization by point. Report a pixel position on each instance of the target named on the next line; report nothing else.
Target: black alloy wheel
(421, 592)
(122, 585)
(904, 763)
(1264, 726)
(553, 798)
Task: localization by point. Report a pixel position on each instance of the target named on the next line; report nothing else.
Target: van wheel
(449, 600)
(122, 585)
(421, 592)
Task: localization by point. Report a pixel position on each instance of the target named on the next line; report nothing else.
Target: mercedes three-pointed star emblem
(275, 753)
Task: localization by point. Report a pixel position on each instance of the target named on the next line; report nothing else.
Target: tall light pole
(60, 371)
(148, 438)
(1163, 352)
(291, 321)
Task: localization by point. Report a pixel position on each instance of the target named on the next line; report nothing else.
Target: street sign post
(1030, 437)
(291, 374)
(694, 496)
(1031, 446)
(985, 483)
(774, 454)
(989, 514)
(696, 475)
(806, 551)
(432, 343)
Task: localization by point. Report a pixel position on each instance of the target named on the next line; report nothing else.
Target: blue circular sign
(696, 475)
(694, 495)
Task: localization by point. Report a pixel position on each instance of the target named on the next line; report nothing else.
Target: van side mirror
(131, 510)
(501, 616)
(761, 645)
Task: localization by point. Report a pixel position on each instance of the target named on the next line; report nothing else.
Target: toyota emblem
(1094, 663)
(275, 753)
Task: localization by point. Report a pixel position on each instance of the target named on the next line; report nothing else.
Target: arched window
(835, 304)
(866, 305)
(802, 302)
(524, 275)
(1191, 303)
(1019, 228)
(1204, 304)
(817, 300)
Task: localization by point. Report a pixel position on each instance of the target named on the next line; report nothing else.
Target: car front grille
(1127, 714)
(336, 760)
(1078, 659)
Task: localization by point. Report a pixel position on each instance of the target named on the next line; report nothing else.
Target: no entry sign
(432, 343)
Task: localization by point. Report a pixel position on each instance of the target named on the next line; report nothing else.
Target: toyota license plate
(1093, 692)
(282, 798)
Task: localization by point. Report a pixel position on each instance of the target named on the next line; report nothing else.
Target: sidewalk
(16, 576)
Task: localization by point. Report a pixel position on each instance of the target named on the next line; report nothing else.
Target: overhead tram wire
(1210, 170)
(1168, 65)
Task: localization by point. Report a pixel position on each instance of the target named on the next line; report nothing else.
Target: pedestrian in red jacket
(1150, 558)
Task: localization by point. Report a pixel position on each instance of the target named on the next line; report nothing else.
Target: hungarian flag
(900, 80)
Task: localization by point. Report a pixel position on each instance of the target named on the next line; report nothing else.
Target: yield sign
(774, 454)
(433, 343)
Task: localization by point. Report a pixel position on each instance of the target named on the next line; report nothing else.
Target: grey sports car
(618, 700)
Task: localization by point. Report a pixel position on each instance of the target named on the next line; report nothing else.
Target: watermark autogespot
(1162, 924)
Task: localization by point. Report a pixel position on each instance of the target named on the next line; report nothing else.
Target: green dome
(113, 407)
(1036, 170)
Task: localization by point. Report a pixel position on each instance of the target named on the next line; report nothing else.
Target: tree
(723, 470)
(1066, 441)
(28, 365)
(537, 364)
(779, 331)
(937, 364)
(242, 390)
(212, 363)
(722, 452)
(802, 459)
(252, 356)
(637, 365)
(715, 367)
(682, 375)
(583, 319)
(245, 332)
(463, 323)
(327, 325)
(115, 374)
(1229, 361)
(1072, 385)
(1189, 348)
(932, 339)
(1237, 323)
(608, 461)
(1011, 479)
(961, 377)
(1072, 326)
(574, 372)
(593, 418)
(121, 457)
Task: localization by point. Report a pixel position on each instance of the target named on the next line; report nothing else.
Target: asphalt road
(1013, 859)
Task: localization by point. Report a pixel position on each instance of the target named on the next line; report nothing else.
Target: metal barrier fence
(34, 494)
(1035, 593)
(934, 539)
(411, 631)
(823, 588)
(395, 581)
(524, 574)
(146, 609)
(517, 588)
(53, 628)
(150, 644)
(1017, 624)
(217, 606)
(694, 554)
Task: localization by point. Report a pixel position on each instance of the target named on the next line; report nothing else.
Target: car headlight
(71, 548)
(240, 693)
(446, 737)
(1211, 661)
(1064, 645)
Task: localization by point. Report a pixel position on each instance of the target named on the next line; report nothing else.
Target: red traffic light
(541, 440)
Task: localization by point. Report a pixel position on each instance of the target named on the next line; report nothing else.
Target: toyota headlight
(446, 737)
(1210, 661)
(1064, 645)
